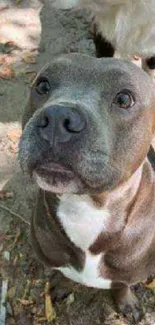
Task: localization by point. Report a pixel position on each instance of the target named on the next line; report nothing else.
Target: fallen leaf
(13, 148)
(50, 312)
(26, 302)
(17, 2)
(70, 299)
(150, 285)
(5, 195)
(1, 247)
(7, 71)
(29, 76)
(14, 134)
(9, 47)
(2, 58)
(41, 319)
(136, 57)
(7, 59)
(27, 289)
(11, 292)
(18, 233)
(34, 310)
(29, 58)
(15, 260)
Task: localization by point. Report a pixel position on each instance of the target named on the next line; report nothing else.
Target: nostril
(68, 126)
(43, 122)
(73, 123)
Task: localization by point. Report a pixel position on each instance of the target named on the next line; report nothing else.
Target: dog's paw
(60, 287)
(128, 304)
(131, 309)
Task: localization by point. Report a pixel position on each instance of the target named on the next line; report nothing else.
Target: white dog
(127, 26)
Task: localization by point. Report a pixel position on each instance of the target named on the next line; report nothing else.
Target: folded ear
(65, 4)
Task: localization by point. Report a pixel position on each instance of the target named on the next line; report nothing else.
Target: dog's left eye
(43, 86)
(124, 100)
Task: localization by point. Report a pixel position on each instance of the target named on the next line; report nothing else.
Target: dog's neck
(115, 207)
(127, 189)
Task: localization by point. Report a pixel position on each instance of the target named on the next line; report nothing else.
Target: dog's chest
(83, 223)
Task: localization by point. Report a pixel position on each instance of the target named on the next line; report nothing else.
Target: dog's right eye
(43, 86)
(124, 99)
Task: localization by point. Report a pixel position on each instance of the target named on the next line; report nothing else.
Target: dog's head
(88, 125)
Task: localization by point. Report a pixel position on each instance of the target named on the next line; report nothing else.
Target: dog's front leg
(127, 302)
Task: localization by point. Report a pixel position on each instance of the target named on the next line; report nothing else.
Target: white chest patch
(83, 222)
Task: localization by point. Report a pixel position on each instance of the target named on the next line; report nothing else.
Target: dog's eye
(43, 86)
(124, 100)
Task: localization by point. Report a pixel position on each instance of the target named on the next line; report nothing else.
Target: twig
(14, 213)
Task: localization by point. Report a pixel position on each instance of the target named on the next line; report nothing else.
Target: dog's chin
(58, 183)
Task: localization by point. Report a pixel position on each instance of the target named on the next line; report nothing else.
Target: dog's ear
(65, 4)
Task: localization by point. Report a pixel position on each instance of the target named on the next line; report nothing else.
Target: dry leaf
(3, 58)
(50, 312)
(7, 71)
(15, 260)
(26, 302)
(27, 289)
(41, 319)
(7, 59)
(13, 148)
(70, 299)
(29, 76)
(5, 195)
(18, 233)
(11, 292)
(14, 135)
(17, 2)
(9, 47)
(150, 285)
(29, 58)
(34, 310)
(136, 57)
(1, 247)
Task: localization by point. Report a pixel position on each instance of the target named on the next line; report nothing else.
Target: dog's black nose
(61, 123)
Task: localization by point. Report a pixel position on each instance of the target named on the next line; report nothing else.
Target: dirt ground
(28, 301)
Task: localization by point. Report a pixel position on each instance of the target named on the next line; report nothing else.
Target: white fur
(58, 188)
(64, 4)
(90, 275)
(128, 24)
(83, 222)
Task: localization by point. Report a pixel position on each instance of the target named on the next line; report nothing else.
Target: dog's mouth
(55, 177)
(51, 168)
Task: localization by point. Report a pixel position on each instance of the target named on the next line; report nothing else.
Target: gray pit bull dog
(88, 127)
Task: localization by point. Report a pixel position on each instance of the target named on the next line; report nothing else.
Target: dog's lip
(53, 167)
